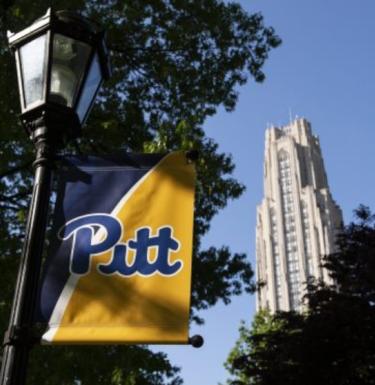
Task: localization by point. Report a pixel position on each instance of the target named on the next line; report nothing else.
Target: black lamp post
(61, 62)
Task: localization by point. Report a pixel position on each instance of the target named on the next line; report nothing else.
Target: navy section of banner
(86, 176)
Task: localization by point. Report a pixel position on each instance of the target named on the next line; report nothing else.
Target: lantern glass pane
(32, 56)
(69, 60)
(90, 87)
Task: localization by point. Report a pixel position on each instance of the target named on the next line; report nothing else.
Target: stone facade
(297, 220)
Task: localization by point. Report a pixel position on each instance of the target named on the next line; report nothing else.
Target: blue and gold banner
(120, 266)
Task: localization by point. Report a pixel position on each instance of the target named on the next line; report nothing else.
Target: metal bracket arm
(20, 335)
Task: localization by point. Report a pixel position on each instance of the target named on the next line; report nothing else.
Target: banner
(119, 270)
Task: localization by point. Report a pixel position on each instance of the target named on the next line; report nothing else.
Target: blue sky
(324, 71)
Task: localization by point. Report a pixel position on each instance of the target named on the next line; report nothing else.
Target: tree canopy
(174, 63)
(334, 341)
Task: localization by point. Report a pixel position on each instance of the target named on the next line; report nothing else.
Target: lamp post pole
(19, 337)
(61, 62)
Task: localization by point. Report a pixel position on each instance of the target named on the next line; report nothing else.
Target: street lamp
(61, 62)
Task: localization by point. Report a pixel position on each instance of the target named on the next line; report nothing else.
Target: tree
(334, 341)
(174, 63)
(260, 355)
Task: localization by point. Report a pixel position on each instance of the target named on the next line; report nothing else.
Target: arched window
(307, 239)
(283, 155)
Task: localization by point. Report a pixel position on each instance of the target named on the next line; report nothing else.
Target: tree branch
(19, 195)
(16, 169)
(118, 49)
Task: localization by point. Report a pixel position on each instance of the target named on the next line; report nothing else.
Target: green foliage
(334, 341)
(114, 365)
(354, 266)
(174, 63)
